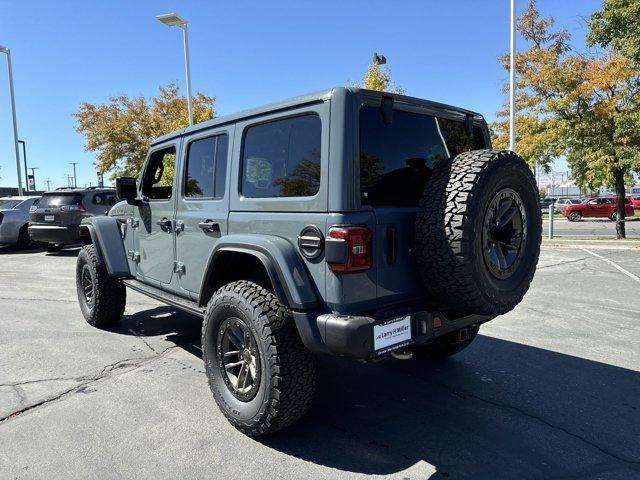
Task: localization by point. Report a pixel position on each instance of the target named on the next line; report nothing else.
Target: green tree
(585, 107)
(121, 130)
(617, 26)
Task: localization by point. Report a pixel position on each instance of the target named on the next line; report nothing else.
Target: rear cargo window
(396, 159)
(282, 158)
(59, 199)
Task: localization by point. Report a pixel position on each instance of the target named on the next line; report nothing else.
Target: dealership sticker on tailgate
(391, 333)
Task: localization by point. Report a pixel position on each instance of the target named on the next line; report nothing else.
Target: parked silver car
(14, 220)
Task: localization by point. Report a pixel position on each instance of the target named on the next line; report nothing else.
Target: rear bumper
(55, 234)
(366, 338)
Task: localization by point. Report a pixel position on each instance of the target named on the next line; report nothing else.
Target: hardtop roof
(306, 99)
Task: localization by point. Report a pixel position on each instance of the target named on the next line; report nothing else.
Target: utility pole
(48, 182)
(75, 179)
(512, 79)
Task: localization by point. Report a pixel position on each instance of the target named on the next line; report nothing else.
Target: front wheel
(614, 217)
(261, 375)
(102, 298)
(574, 217)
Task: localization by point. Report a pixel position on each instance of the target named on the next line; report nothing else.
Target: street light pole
(24, 159)
(15, 122)
(512, 79)
(173, 20)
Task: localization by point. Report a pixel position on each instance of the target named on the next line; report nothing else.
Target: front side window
(206, 167)
(157, 183)
(282, 158)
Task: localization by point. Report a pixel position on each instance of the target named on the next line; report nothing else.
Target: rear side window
(104, 199)
(60, 199)
(8, 204)
(206, 167)
(282, 158)
(157, 183)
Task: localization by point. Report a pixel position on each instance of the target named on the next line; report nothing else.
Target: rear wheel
(574, 216)
(102, 298)
(24, 240)
(448, 345)
(261, 375)
(614, 217)
(478, 234)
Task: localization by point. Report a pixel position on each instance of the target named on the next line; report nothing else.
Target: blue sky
(245, 53)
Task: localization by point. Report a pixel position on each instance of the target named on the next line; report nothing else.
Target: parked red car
(601, 207)
(635, 201)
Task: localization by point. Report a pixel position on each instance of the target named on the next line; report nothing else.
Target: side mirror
(126, 189)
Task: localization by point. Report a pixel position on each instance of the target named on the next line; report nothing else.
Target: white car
(14, 220)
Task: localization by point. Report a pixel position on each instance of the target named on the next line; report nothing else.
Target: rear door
(203, 203)
(155, 217)
(395, 161)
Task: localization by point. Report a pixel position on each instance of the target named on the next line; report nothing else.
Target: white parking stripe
(613, 264)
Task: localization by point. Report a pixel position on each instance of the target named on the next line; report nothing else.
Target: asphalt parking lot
(551, 390)
(590, 227)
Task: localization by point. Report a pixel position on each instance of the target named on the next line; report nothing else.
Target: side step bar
(177, 301)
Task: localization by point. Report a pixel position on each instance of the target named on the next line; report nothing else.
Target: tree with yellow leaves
(121, 130)
(378, 77)
(585, 107)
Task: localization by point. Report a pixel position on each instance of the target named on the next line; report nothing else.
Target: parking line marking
(613, 264)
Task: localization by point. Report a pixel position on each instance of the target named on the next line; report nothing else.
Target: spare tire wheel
(478, 233)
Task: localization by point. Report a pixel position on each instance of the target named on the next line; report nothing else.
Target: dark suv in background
(55, 221)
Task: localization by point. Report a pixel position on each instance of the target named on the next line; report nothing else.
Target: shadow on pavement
(498, 410)
(13, 250)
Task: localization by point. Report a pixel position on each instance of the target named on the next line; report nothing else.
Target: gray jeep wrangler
(346, 222)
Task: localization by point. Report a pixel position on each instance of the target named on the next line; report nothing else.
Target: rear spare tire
(478, 233)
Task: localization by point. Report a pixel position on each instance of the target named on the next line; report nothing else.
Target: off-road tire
(24, 240)
(446, 346)
(288, 370)
(108, 295)
(449, 232)
(53, 247)
(574, 216)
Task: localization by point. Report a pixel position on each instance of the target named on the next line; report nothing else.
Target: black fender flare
(282, 262)
(106, 235)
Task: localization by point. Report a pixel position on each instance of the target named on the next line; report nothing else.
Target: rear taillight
(349, 249)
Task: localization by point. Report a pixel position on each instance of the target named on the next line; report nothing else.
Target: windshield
(396, 159)
(59, 199)
(9, 204)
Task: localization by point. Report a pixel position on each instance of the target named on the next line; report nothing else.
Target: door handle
(165, 224)
(209, 226)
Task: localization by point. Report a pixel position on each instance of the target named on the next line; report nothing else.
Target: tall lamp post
(24, 159)
(173, 20)
(15, 122)
(512, 78)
